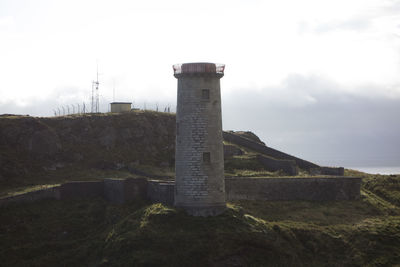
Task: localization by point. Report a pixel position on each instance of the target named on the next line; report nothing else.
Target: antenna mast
(95, 108)
(114, 90)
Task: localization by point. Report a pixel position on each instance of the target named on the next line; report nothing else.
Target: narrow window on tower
(206, 157)
(205, 94)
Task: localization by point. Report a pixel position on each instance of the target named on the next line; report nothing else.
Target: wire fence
(71, 109)
(83, 108)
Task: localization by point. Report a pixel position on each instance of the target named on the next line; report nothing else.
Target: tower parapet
(198, 68)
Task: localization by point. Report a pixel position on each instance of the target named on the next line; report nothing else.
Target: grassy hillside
(36, 151)
(43, 151)
(93, 232)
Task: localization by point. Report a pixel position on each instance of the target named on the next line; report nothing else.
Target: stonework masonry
(271, 164)
(124, 190)
(161, 191)
(199, 159)
(116, 191)
(121, 191)
(311, 189)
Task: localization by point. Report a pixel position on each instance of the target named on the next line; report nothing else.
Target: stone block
(312, 189)
(47, 193)
(124, 190)
(287, 166)
(161, 191)
(81, 189)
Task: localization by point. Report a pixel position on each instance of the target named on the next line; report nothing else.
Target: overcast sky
(316, 79)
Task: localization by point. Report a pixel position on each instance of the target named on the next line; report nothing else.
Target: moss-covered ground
(92, 232)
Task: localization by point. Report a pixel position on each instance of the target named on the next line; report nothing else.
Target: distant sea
(377, 170)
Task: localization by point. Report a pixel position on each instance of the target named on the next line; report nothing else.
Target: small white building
(117, 107)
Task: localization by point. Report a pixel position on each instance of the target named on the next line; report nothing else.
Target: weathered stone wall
(313, 189)
(199, 159)
(241, 188)
(84, 189)
(271, 164)
(245, 142)
(114, 190)
(161, 191)
(124, 190)
(47, 193)
(339, 171)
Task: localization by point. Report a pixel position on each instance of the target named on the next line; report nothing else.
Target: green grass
(386, 186)
(252, 173)
(92, 232)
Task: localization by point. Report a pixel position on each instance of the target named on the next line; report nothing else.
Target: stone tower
(199, 155)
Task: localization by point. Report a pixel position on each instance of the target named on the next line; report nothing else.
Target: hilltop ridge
(93, 232)
(35, 150)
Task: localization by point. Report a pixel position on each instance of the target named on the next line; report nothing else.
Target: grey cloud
(306, 116)
(336, 128)
(361, 22)
(45, 105)
(72, 96)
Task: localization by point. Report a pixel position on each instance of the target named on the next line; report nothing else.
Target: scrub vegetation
(92, 232)
(40, 152)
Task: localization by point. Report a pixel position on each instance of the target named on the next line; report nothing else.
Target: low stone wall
(125, 190)
(327, 171)
(313, 189)
(230, 137)
(84, 189)
(114, 190)
(47, 193)
(161, 191)
(238, 188)
(271, 164)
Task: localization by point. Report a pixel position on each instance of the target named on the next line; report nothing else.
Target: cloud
(355, 24)
(308, 116)
(314, 118)
(62, 99)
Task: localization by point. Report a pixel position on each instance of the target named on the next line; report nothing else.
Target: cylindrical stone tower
(199, 154)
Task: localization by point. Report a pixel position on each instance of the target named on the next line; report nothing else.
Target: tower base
(204, 211)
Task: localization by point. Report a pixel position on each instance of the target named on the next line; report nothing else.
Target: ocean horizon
(377, 170)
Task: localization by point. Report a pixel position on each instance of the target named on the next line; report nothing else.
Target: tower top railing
(200, 67)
